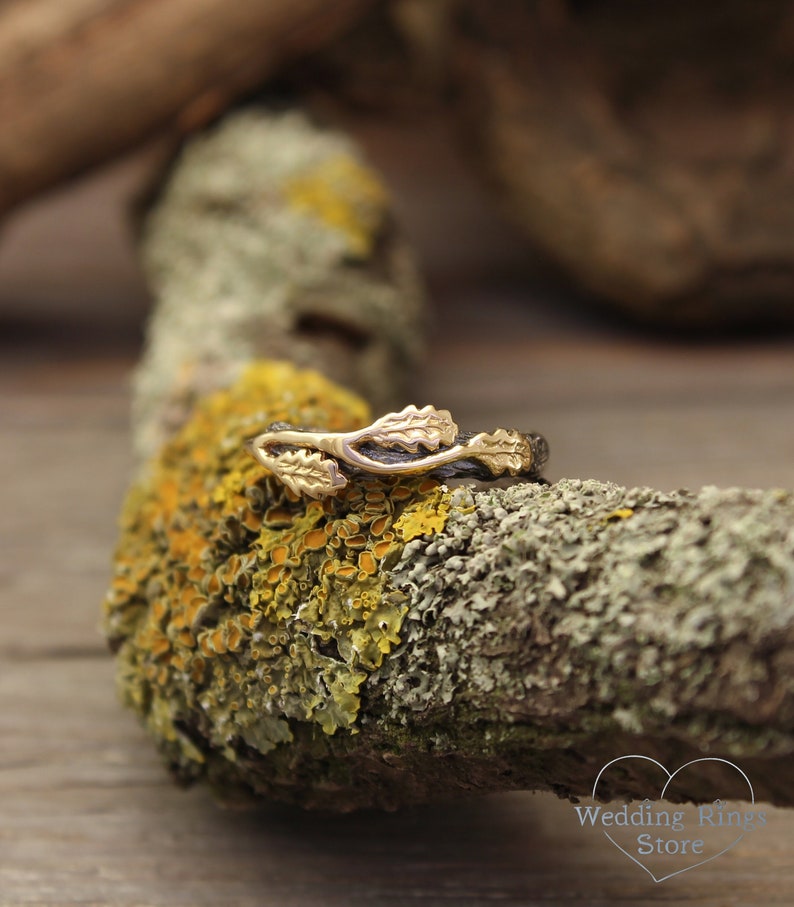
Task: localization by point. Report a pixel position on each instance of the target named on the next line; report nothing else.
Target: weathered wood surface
(88, 815)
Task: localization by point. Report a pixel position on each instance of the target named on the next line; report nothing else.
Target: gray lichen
(273, 239)
(586, 604)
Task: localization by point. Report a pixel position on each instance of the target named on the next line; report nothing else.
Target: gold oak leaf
(412, 427)
(307, 473)
(501, 451)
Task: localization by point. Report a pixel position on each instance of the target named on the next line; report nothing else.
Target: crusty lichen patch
(426, 517)
(272, 237)
(344, 195)
(239, 609)
(603, 608)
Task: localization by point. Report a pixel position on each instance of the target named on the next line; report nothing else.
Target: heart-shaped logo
(654, 836)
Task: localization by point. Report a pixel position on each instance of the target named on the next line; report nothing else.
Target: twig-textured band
(411, 442)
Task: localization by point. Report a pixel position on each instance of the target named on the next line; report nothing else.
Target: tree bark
(84, 80)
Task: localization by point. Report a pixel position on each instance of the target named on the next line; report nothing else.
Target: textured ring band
(411, 442)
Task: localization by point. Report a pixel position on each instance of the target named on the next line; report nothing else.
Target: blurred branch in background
(83, 80)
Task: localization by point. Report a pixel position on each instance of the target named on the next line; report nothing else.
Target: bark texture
(84, 80)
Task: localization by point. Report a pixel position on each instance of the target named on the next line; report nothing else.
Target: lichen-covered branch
(273, 238)
(404, 641)
(561, 627)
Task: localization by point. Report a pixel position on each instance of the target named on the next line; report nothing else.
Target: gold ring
(411, 442)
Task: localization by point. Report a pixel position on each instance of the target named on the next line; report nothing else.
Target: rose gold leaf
(412, 427)
(502, 451)
(308, 473)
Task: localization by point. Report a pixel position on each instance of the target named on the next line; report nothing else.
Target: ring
(411, 442)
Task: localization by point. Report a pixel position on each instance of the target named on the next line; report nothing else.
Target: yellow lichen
(345, 196)
(239, 608)
(424, 516)
(622, 513)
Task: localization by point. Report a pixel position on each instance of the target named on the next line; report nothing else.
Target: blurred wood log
(84, 80)
(645, 148)
(393, 61)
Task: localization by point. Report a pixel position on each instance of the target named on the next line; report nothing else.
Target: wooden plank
(615, 405)
(65, 463)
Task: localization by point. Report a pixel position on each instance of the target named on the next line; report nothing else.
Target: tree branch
(83, 81)
(401, 641)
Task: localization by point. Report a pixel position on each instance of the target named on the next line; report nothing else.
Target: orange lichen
(239, 608)
(315, 539)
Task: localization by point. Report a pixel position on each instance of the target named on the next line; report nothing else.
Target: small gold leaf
(307, 473)
(412, 427)
(502, 451)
